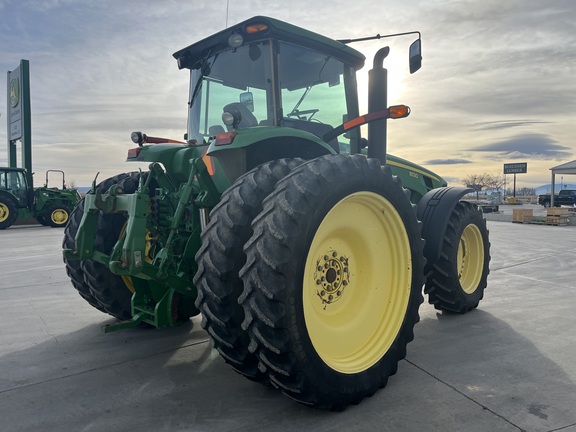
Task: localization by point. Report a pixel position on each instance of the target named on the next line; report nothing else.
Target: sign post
(516, 168)
(19, 116)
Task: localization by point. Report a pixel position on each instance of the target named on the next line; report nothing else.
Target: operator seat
(242, 115)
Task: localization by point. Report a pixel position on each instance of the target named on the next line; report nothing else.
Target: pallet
(522, 215)
(542, 221)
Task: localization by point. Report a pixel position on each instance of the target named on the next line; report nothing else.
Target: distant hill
(545, 189)
(83, 190)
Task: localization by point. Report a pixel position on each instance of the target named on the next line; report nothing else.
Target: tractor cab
(262, 75)
(13, 181)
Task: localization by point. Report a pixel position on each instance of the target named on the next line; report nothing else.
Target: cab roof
(192, 56)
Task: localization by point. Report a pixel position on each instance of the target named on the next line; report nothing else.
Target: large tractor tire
(74, 267)
(8, 212)
(221, 257)
(333, 280)
(57, 216)
(113, 292)
(456, 282)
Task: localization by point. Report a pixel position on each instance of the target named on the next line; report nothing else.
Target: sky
(496, 86)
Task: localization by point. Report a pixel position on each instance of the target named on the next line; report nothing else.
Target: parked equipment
(50, 206)
(304, 245)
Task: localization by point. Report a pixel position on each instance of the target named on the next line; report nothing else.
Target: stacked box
(557, 216)
(522, 215)
(556, 220)
(558, 211)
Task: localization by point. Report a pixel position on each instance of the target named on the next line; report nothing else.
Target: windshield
(309, 92)
(237, 75)
(15, 182)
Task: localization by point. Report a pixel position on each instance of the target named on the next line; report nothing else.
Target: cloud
(534, 145)
(102, 68)
(505, 124)
(447, 161)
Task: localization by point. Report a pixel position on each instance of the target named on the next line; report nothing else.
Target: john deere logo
(14, 92)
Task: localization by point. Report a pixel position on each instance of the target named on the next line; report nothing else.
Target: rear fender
(250, 147)
(434, 210)
(7, 195)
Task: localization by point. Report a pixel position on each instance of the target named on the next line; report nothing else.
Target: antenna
(227, 7)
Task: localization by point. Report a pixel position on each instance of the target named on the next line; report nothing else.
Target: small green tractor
(50, 206)
(304, 245)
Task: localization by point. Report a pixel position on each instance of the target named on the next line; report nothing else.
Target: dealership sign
(14, 104)
(516, 168)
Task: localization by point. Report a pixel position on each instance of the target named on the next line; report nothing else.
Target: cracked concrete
(507, 366)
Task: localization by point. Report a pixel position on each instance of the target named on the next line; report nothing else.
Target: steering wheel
(303, 113)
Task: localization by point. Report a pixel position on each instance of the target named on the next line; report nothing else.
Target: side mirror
(247, 99)
(415, 54)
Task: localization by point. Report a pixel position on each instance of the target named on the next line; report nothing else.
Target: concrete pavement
(508, 366)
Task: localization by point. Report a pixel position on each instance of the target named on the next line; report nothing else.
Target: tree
(484, 181)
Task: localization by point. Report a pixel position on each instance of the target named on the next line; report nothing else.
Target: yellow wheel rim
(59, 216)
(470, 260)
(4, 212)
(357, 282)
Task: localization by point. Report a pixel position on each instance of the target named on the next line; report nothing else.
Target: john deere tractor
(303, 244)
(51, 206)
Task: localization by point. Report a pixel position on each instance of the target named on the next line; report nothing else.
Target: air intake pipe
(378, 101)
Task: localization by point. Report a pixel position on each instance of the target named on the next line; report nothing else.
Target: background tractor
(303, 244)
(50, 206)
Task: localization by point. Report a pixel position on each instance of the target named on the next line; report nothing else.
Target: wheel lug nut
(334, 254)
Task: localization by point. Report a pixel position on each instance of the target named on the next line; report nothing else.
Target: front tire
(333, 280)
(456, 282)
(57, 216)
(8, 212)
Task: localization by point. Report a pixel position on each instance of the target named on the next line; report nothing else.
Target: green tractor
(50, 206)
(303, 244)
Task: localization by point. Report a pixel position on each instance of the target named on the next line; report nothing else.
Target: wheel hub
(59, 216)
(3, 212)
(332, 277)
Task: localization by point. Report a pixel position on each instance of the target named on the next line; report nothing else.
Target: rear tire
(221, 257)
(8, 212)
(110, 290)
(456, 282)
(74, 267)
(333, 280)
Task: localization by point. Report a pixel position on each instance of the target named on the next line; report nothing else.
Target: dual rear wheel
(331, 281)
